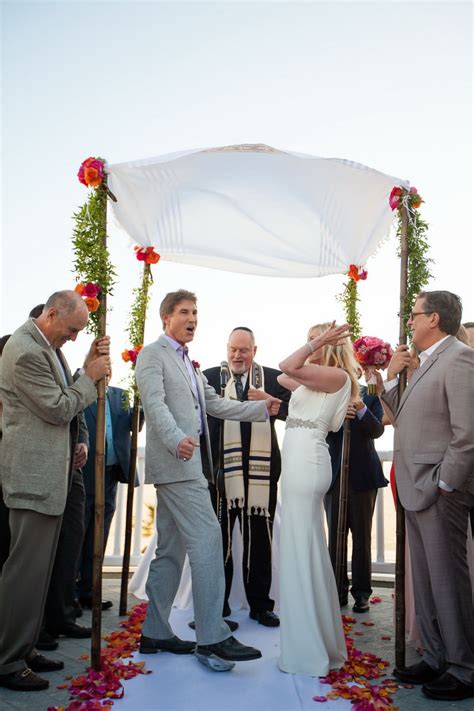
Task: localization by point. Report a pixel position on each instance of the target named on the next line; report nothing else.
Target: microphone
(225, 374)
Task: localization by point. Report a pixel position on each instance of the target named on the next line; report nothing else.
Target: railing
(114, 552)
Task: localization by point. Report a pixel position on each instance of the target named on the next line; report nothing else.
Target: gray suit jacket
(434, 426)
(171, 412)
(38, 408)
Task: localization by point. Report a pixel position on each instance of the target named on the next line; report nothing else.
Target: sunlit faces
(241, 351)
(61, 329)
(423, 325)
(182, 323)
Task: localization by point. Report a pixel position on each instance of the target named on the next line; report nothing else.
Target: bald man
(40, 430)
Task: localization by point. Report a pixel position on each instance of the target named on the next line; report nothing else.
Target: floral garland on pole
(138, 310)
(92, 264)
(350, 298)
(418, 273)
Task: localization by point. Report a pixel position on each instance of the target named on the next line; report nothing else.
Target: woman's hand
(334, 336)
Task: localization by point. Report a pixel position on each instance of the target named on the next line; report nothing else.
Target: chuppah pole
(400, 513)
(142, 306)
(98, 550)
(341, 539)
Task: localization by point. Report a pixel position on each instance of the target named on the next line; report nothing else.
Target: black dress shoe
(266, 618)
(361, 604)
(230, 624)
(419, 673)
(447, 688)
(38, 663)
(23, 680)
(229, 649)
(149, 645)
(72, 629)
(87, 603)
(46, 642)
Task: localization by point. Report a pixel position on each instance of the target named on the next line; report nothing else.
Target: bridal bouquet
(372, 354)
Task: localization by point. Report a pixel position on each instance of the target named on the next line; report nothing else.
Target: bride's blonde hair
(337, 357)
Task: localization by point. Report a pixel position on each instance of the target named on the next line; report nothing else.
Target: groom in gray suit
(176, 398)
(434, 466)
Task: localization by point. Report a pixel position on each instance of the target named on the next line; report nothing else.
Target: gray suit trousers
(442, 587)
(186, 523)
(24, 585)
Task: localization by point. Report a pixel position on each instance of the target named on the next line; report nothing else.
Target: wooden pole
(133, 463)
(400, 513)
(98, 552)
(341, 539)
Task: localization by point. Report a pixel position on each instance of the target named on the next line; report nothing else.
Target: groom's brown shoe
(149, 645)
(420, 673)
(448, 688)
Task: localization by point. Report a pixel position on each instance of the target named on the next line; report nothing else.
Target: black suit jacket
(121, 426)
(272, 387)
(365, 469)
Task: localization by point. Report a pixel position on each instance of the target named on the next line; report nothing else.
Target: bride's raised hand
(335, 335)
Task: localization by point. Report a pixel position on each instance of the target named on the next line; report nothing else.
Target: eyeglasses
(417, 313)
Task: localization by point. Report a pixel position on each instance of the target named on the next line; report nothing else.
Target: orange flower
(79, 288)
(92, 177)
(92, 303)
(126, 355)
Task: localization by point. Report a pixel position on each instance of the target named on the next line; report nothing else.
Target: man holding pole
(434, 465)
(40, 428)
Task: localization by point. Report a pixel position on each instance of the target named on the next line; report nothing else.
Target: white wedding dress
(312, 637)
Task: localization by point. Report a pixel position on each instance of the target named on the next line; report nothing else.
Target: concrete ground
(370, 639)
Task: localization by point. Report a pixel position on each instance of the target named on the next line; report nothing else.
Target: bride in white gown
(311, 632)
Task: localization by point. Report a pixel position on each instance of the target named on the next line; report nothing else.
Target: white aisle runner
(181, 683)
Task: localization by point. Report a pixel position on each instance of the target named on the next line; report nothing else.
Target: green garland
(91, 257)
(136, 330)
(349, 298)
(418, 270)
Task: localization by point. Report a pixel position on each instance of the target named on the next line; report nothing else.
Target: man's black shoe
(420, 673)
(229, 649)
(447, 688)
(39, 663)
(23, 680)
(230, 624)
(361, 604)
(72, 629)
(266, 618)
(149, 645)
(87, 603)
(46, 642)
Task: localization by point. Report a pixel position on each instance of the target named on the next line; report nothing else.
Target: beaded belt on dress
(297, 422)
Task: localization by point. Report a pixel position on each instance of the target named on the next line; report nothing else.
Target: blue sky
(385, 84)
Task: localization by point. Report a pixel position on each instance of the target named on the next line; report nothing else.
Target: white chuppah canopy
(254, 209)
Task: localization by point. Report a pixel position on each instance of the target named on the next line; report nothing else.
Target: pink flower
(394, 199)
(91, 289)
(195, 364)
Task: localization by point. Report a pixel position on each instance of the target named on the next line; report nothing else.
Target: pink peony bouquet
(372, 354)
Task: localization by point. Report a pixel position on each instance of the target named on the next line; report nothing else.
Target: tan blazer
(38, 408)
(434, 426)
(171, 412)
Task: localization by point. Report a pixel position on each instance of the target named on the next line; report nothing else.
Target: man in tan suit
(39, 439)
(434, 465)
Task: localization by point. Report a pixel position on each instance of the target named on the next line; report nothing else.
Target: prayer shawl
(259, 456)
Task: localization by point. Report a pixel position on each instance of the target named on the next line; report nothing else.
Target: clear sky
(387, 84)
